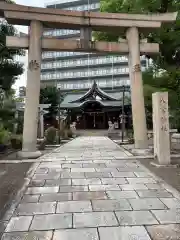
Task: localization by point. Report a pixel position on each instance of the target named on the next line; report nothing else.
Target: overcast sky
(38, 3)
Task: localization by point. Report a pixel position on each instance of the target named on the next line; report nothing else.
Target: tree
(165, 74)
(158, 83)
(7, 111)
(167, 37)
(51, 95)
(10, 68)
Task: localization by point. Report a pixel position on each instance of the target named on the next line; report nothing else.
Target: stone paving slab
(123, 174)
(146, 204)
(21, 223)
(124, 233)
(94, 219)
(74, 206)
(141, 180)
(51, 221)
(154, 193)
(104, 187)
(113, 181)
(53, 175)
(79, 234)
(30, 198)
(128, 218)
(89, 195)
(41, 190)
(72, 175)
(122, 194)
(164, 232)
(98, 175)
(88, 189)
(55, 197)
(43, 235)
(37, 183)
(58, 182)
(130, 187)
(172, 203)
(167, 216)
(73, 188)
(35, 208)
(110, 205)
(89, 181)
(152, 186)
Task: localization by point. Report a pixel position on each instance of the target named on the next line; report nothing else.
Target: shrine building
(94, 108)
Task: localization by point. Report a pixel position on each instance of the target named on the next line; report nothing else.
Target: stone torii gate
(39, 18)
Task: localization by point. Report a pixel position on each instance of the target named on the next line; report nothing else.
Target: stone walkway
(89, 190)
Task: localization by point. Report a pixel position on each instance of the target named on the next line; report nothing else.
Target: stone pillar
(161, 127)
(32, 92)
(154, 115)
(42, 123)
(137, 96)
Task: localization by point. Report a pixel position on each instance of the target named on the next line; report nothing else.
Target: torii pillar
(137, 96)
(32, 92)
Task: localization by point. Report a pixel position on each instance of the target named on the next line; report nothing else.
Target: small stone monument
(111, 129)
(161, 128)
(73, 128)
(42, 112)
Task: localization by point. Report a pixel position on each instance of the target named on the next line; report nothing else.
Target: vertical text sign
(161, 127)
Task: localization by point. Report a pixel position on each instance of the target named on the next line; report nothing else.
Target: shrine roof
(76, 100)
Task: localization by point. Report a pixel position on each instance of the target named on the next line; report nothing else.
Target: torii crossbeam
(128, 24)
(54, 44)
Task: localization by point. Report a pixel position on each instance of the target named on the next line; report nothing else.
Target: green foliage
(167, 37)
(166, 81)
(7, 112)
(9, 68)
(51, 95)
(50, 135)
(165, 74)
(4, 135)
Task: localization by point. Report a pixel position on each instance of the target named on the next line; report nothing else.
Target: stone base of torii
(40, 119)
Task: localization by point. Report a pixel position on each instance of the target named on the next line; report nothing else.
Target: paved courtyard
(89, 189)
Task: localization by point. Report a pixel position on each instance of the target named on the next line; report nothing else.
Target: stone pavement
(89, 190)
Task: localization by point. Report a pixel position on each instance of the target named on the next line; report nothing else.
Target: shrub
(50, 135)
(4, 136)
(16, 141)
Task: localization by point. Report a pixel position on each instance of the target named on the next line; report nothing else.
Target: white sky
(39, 3)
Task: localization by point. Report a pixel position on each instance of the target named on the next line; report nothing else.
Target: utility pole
(123, 115)
(59, 115)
